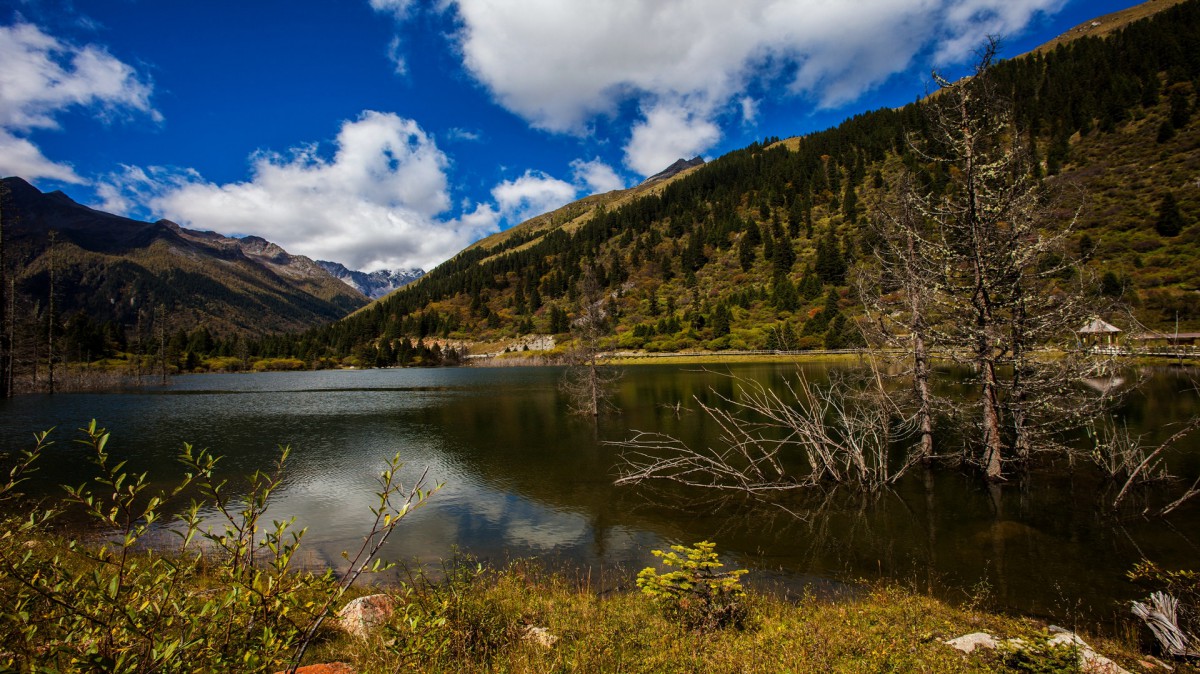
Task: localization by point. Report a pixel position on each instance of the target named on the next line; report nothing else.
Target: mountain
(374, 284)
(754, 249)
(116, 269)
(675, 169)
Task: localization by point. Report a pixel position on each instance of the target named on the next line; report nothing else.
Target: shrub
(228, 598)
(466, 616)
(1039, 656)
(696, 593)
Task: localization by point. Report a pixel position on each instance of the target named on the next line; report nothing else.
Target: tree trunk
(6, 342)
(50, 319)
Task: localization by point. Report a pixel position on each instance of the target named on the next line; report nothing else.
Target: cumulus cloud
(561, 63)
(532, 194)
(595, 176)
(43, 76)
(373, 204)
(19, 157)
(667, 133)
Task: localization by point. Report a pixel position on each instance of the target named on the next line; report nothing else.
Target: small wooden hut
(1098, 332)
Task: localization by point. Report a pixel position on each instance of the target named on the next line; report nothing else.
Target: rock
(362, 615)
(969, 642)
(540, 636)
(1090, 661)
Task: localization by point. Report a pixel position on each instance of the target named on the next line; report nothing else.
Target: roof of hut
(1098, 326)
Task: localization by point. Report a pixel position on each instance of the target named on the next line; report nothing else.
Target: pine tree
(1169, 221)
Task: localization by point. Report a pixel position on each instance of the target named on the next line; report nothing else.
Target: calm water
(523, 478)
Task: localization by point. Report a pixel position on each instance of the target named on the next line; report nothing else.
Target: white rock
(540, 636)
(969, 642)
(362, 615)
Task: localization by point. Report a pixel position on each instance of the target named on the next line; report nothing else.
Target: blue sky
(392, 133)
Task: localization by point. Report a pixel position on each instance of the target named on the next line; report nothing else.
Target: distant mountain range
(123, 270)
(374, 284)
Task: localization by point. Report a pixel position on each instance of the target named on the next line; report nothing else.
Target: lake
(524, 478)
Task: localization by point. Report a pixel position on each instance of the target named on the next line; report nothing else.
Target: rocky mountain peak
(678, 167)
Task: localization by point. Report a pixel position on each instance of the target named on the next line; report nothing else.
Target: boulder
(969, 642)
(1090, 661)
(361, 616)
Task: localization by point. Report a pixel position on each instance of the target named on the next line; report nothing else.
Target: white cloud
(749, 108)
(19, 157)
(43, 76)
(463, 135)
(530, 195)
(561, 63)
(595, 176)
(372, 205)
(970, 22)
(669, 132)
(395, 54)
(397, 8)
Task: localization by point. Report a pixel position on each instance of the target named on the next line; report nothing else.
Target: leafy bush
(463, 617)
(1038, 656)
(278, 365)
(228, 598)
(696, 593)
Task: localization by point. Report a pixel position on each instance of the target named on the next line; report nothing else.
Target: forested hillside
(104, 283)
(756, 249)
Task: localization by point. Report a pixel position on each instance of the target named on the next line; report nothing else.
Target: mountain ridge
(119, 269)
(375, 284)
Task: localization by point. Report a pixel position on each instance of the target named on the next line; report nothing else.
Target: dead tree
(993, 282)
(1160, 615)
(588, 382)
(6, 311)
(897, 289)
(772, 442)
(51, 310)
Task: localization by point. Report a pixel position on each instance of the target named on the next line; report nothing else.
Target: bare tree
(897, 292)
(986, 275)
(769, 442)
(51, 309)
(588, 381)
(6, 315)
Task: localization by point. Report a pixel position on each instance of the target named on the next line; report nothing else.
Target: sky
(393, 133)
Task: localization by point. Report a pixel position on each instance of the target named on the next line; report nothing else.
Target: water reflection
(524, 478)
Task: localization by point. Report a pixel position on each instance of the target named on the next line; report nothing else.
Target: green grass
(883, 628)
(474, 619)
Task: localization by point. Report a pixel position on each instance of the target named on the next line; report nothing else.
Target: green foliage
(696, 593)
(1169, 221)
(1038, 656)
(228, 598)
(460, 617)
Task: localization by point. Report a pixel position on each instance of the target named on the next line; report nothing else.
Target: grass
(719, 358)
(475, 619)
(884, 628)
